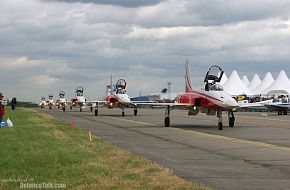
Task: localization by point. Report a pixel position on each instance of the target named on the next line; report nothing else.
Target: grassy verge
(40, 149)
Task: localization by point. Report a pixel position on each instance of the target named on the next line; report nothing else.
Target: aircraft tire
(63, 109)
(231, 122)
(96, 112)
(49, 108)
(167, 121)
(91, 109)
(220, 126)
(81, 109)
(135, 112)
(285, 113)
(279, 113)
(70, 107)
(123, 114)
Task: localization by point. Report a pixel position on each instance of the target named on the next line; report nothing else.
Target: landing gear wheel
(91, 109)
(220, 126)
(49, 108)
(135, 112)
(231, 122)
(167, 121)
(96, 112)
(123, 114)
(63, 109)
(70, 107)
(58, 107)
(285, 113)
(81, 109)
(279, 113)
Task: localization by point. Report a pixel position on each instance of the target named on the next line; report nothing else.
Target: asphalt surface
(255, 154)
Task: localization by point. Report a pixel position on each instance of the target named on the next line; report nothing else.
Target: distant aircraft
(62, 101)
(50, 101)
(210, 99)
(118, 98)
(79, 100)
(43, 103)
(280, 105)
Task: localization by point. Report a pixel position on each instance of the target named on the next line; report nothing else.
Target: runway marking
(264, 118)
(261, 144)
(267, 145)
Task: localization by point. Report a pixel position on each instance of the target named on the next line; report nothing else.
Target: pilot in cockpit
(120, 91)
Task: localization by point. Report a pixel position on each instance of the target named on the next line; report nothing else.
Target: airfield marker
(73, 124)
(90, 136)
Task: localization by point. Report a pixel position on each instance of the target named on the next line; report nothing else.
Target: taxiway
(255, 154)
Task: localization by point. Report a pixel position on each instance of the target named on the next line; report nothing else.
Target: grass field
(40, 149)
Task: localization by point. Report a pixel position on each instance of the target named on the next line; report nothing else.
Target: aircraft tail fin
(111, 84)
(187, 77)
(109, 87)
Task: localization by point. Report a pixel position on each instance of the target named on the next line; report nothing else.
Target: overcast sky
(47, 46)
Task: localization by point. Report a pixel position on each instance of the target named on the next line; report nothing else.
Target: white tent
(281, 83)
(254, 82)
(266, 82)
(245, 80)
(224, 79)
(234, 85)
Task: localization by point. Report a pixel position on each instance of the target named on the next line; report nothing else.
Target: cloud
(60, 43)
(44, 80)
(127, 3)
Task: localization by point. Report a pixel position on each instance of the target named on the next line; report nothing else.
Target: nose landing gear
(231, 118)
(220, 120)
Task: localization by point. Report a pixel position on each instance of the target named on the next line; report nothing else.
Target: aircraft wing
(252, 106)
(278, 106)
(163, 104)
(255, 105)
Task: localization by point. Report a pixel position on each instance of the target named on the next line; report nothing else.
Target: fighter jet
(43, 103)
(210, 99)
(61, 102)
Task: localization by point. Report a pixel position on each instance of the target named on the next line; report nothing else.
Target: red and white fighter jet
(210, 99)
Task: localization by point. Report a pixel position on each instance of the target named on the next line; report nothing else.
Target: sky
(52, 45)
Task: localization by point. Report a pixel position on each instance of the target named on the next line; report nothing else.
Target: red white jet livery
(211, 98)
(118, 98)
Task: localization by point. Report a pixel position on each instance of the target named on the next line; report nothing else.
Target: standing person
(2, 110)
(13, 103)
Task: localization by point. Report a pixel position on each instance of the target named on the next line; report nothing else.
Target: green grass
(40, 149)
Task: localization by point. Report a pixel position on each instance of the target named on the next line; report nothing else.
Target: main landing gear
(123, 111)
(230, 116)
(97, 109)
(220, 119)
(167, 117)
(282, 113)
(135, 111)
